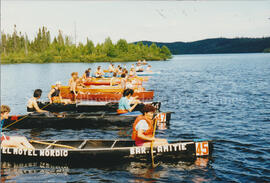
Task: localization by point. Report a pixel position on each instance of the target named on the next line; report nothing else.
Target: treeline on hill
(218, 45)
(17, 48)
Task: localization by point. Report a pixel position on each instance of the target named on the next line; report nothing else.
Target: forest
(17, 48)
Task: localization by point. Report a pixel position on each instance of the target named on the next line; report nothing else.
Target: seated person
(99, 72)
(32, 105)
(124, 105)
(148, 69)
(114, 79)
(12, 141)
(143, 128)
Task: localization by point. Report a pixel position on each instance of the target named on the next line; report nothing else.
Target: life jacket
(148, 132)
(122, 111)
(56, 92)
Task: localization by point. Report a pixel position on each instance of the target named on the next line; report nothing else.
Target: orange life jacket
(122, 111)
(148, 132)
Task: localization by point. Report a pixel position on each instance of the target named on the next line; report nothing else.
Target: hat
(58, 83)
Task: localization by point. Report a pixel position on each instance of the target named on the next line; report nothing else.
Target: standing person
(32, 105)
(123, 81)
(124, 105)
(72, 85)
(143, 128)
(12, 141)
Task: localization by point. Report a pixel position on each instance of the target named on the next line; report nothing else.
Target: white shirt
(142, 125)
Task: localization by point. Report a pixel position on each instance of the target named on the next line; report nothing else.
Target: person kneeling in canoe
(124, 107)
(55, 94)
(12, 141)
(143, 128)
(32, 105)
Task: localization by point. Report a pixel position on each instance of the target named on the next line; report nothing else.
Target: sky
(160, 21)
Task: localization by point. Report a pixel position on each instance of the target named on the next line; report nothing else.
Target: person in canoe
(124, 107)
(12, 141)
(99, 72)
(72, 85)
(148, 68)
(111, 68)
(32, 105)
(143, 128)
(132, 73)
(55, 94)
(86, 74)
(114, 79)
(123, 81)
(144, 62)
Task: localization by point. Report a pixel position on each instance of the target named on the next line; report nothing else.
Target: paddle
(152, 144)
(52, 144)
(22, 118)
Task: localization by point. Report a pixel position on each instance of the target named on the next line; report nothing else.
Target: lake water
(222, 97)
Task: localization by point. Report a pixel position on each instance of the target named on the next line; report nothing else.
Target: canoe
(93, 152)
(91, 106)
(143, 96)
(96, 89)
(73, 120)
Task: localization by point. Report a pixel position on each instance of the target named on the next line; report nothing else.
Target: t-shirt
(142, 125)
(124, 103)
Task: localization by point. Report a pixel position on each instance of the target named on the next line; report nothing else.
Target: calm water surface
(225, 98)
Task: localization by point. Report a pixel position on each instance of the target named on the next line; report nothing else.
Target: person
(139, 68)
(132, 66)
(124, 105)
(111, 68)
(55, 94)
(32, 105)
(143, 128)
(72, 85)
(148, 69)
(12, 141)
(132, 73)
(99, 72)
(114, 79)
(123, 81)
(144, 62)
(86, 74)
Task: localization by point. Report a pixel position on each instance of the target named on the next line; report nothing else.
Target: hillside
(218, 45)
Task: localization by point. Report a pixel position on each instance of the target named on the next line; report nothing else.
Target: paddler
(55, 94)
(114, 79)
(99, 72)
(143, 128)
(32, 105)
(111, 68)
(124, 107)
(72, 85)
(148, 69)
(12, 141)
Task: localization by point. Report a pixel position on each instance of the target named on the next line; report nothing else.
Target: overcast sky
(164, 21)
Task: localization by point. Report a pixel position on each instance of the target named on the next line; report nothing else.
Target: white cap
(58, 83)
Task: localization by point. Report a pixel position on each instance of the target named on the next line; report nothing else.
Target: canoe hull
(143, 96)
(91, 152)
(76, 121)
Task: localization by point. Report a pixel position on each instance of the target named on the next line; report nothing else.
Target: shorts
(139, 142)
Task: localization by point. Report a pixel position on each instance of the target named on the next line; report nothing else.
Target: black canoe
(91, 152)
(86, 106)
(73, 120)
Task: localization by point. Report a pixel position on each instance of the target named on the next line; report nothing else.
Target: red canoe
(143, 96)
